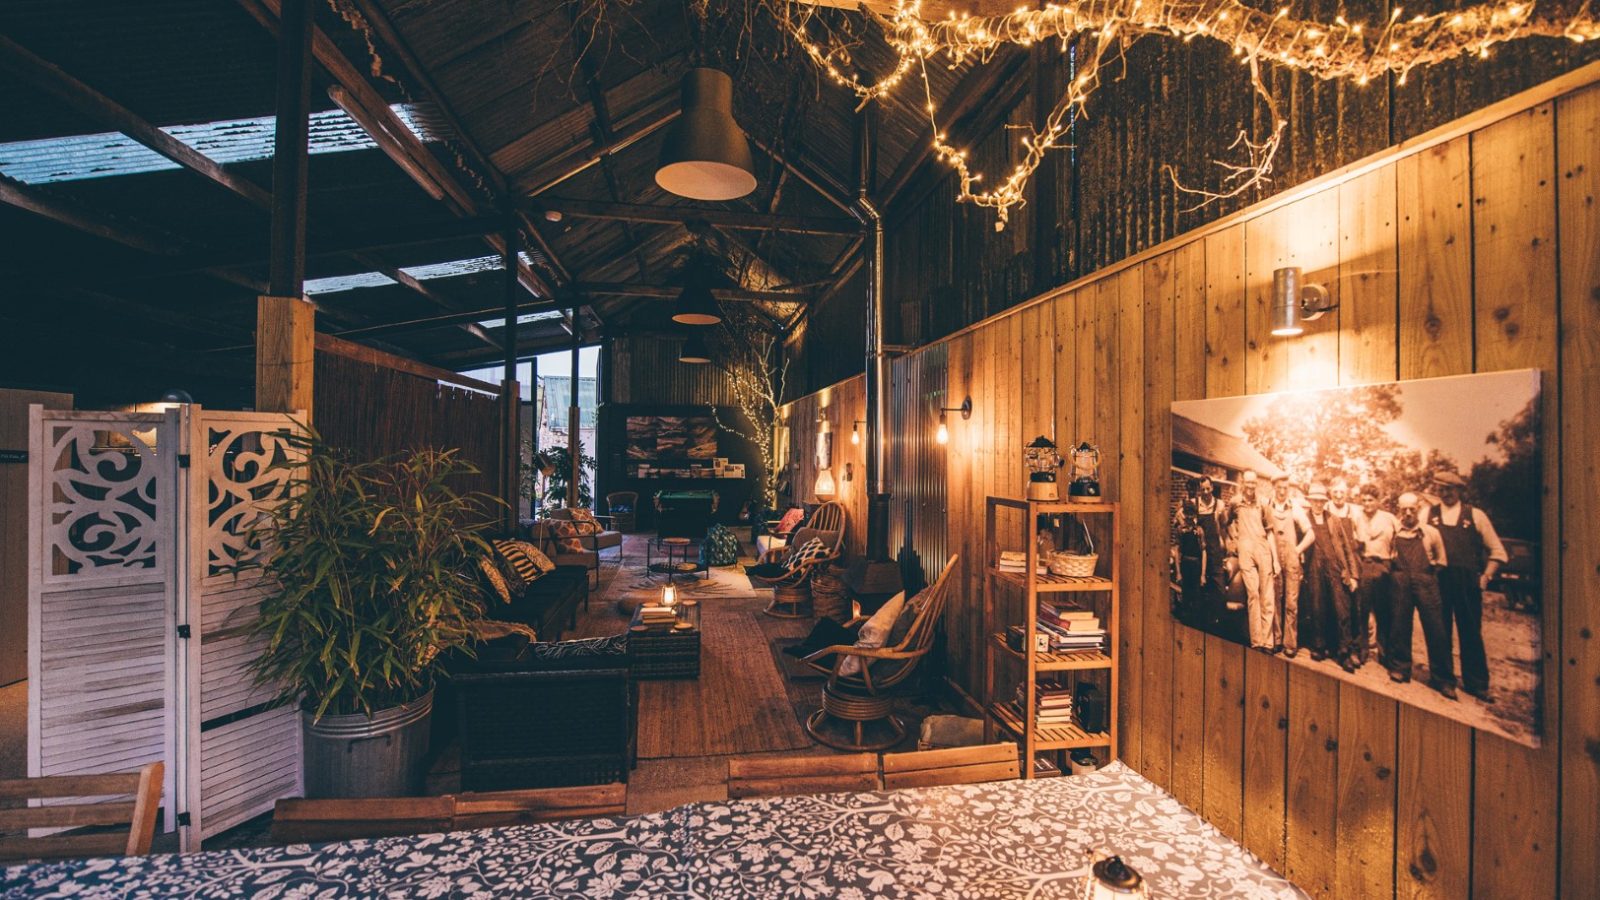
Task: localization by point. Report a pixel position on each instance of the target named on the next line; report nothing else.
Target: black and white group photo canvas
(1387, 535)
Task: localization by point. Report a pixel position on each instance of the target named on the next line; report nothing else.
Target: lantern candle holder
(1085, 486)
(1043, 461)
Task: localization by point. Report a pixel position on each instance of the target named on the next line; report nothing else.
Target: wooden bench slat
(68, 786)
(801, 784)
(66, 816)
(997, 771)
(950, 756)
(783, 766)
(72, 846)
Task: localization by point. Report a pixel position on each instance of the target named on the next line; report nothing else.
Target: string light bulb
(1339, 50)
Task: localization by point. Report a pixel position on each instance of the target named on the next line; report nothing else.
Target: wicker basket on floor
(829, 599)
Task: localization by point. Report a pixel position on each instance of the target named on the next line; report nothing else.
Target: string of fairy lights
(1352, 51)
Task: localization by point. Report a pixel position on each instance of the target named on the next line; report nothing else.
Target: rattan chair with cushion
(788, 570)
(864, 681)
(827, 518)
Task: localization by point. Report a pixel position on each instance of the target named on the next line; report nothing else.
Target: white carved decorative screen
(138, 618)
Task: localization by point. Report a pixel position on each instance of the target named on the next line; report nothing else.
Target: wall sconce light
(1294, 303)
(825, 486)
(943, 434)
(855, 432)
(849, 472)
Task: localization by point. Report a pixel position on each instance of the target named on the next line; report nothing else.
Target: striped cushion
(523, 562)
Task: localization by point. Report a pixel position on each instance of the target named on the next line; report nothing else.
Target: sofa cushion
(567, 535)
(495, 585)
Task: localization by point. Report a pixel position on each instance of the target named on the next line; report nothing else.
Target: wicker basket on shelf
(829, 599)
(1074, 564)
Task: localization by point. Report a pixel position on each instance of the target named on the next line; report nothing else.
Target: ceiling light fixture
(705, 155)
(694, 351)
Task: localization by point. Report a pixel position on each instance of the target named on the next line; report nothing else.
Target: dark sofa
(549, 605)
(546, 714)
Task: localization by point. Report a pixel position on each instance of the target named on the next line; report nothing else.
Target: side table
(661, 651)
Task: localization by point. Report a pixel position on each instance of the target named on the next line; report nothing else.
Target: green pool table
(685, 513)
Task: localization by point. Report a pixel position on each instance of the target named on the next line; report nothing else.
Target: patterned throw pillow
(585, 653)
(521, 563)
(805, 554)
(495, 582)
(790, 520)
(566, 536)
(580, 514)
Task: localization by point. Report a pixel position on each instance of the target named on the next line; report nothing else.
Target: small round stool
(860, 709)
(790, 602)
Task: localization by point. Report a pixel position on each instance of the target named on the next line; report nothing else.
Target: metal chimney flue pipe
(877, 422)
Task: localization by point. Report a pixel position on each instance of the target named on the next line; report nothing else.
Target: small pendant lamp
(696, 306)
(694, 351)
(706, 155)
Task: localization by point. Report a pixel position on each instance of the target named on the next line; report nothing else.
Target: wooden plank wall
(840, 406)
(1478, 252)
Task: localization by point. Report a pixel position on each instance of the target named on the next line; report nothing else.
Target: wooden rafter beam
(51, 79)
(826, 186)
(671, 292)
(976, 89)
(603, 132)
(89, 221)
(410, 282)
(686, 215)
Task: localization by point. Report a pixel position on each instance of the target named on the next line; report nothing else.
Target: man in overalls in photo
(1258, 561)
(1474, 554)
(1291, 532)
(1330, 570)
(1419, 554)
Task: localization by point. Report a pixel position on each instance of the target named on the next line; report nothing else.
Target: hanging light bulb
(855, 433)
(943, 434)
(706, 155)
(694, 351)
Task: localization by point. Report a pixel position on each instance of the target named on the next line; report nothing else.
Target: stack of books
(1052, 703)
(1071, 627)
(1015, 561)
(657, 615)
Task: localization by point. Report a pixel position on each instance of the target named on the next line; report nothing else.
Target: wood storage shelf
(1098, 592)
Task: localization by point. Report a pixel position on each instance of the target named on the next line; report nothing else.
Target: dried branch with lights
(1356, 52)
(757, 373)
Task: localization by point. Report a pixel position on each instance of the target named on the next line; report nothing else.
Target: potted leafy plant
(374, 583)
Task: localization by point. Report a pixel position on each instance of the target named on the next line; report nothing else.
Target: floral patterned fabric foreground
(1006, 839)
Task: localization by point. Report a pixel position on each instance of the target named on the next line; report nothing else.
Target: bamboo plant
(374, 579)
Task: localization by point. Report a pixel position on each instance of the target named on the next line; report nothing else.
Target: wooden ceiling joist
(824, 184)
(671, 292)
(49, 78)
(686, 215)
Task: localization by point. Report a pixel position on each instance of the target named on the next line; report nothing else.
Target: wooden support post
(574, 417)
(285, 353)
(287, 273)
(510, 393)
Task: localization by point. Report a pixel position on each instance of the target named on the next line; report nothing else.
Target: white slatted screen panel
(101, 593)
(136, 522)
(248, 751)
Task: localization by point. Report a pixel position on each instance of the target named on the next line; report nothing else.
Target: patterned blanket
(1005, 839)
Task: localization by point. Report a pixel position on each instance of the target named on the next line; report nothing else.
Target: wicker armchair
(868, 695)
(623, 506)
(791, 591)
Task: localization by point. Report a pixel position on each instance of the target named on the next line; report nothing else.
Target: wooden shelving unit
(1099, 592)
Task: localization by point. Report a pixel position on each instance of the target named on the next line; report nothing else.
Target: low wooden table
(661, 651)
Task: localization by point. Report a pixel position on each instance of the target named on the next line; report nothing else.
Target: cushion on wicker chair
(805, 554)
(875, 631)
(790, 519)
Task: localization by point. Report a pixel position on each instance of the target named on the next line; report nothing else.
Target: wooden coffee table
(662, 651)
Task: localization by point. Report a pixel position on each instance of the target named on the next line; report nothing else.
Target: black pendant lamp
(696, 306)
(705, 155)
(694, 351)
